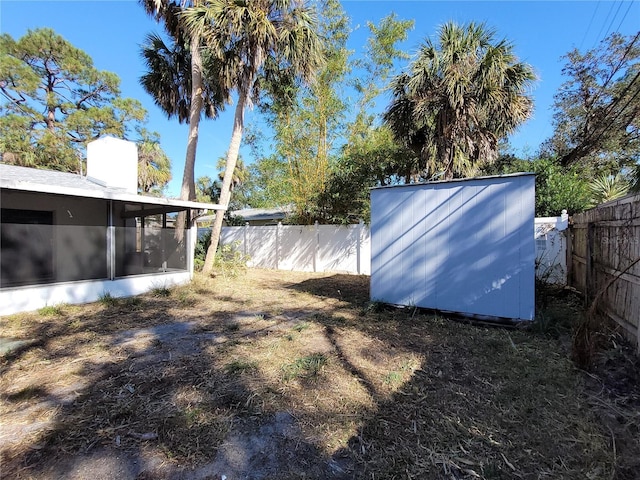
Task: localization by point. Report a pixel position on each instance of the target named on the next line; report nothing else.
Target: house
(251, 216)
(263, 216)
(68, 238)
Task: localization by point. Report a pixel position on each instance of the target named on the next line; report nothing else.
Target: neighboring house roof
(256, 214)
(261, 214)
(63, 183)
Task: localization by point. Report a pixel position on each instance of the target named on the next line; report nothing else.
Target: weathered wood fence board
(605, 261)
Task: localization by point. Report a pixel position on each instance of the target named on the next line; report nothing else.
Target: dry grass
(382, 393)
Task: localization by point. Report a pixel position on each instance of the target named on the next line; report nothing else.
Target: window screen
(26, 247)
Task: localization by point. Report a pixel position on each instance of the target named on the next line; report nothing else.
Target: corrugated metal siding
(463, 246)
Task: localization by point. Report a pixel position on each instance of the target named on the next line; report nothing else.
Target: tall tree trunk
(188, 190)
(225, 190)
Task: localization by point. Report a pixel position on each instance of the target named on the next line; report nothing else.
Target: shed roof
(455, 180)
(62, 183)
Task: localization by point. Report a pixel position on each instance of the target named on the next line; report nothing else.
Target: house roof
(63, 183)
(256, 214)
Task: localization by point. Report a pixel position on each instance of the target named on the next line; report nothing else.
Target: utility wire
(612, 20)
(625, 15)
(615, 70)
(591, 136)
(589, 26)
(598, 38)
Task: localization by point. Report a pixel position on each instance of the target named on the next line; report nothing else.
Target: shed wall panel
(463, 246)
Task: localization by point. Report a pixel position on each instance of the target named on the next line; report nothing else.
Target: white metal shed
(464, 246)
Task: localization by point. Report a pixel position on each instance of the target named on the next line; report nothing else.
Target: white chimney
(112, 162)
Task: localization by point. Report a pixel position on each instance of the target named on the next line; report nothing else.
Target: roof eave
(106, 195)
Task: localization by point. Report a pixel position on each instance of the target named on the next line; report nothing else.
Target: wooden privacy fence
(604, 254)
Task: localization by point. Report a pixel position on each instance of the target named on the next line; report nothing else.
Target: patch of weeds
(392, 378)
(232, 327)
(339, 320)
(76, 323)
(134, 303)
(107, 299)
(191, 416)
(52, 310)
(409, 365)
(558, 310)
(185, 299)
(305, 367)
(301, 327)
(161, 292)
(373, 306)
(238, 367)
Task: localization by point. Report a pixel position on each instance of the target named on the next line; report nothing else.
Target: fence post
(244, 238)
(569, 238)
(278, 245)
(588, 289)
(316, 244)
(359, 248)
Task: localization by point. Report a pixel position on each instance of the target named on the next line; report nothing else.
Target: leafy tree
(597, 117)
(56, 102)
(371, 157)
(207, 190)
(369, 161)
(268, 183)
(376, 66)
(250, 35)
(458, 98)
(557, 187)
(313, 167)
(308, 119)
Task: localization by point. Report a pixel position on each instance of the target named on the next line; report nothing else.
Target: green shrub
(230, 261)
(202, 246)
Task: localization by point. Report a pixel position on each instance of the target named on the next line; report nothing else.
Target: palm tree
(175, 78)
(154, 167)
(247, 33)
(240, 173)
(458, 98)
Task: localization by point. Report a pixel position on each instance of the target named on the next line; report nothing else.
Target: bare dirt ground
(275, 375)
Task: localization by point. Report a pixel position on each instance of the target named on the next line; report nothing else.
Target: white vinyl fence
(347, 249)
(306, 248)
(551, 248)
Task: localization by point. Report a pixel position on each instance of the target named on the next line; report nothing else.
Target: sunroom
(67, 238)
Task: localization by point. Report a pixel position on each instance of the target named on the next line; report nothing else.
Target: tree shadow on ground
(353, 289)
(155, 391)
(149, 402)
(484, 402)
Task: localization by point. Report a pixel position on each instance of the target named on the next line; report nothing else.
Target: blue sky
(111, 32)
